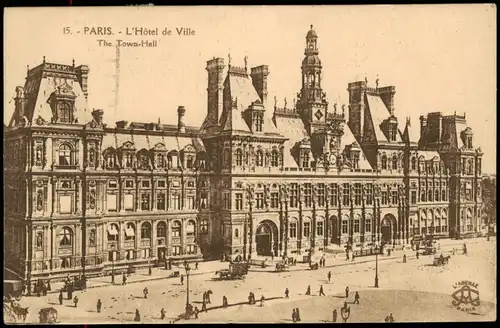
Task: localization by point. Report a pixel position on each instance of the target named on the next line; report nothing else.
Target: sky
(439, 57)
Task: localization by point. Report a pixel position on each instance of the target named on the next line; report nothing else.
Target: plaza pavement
(120, 302)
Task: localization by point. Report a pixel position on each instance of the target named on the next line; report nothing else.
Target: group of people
(296, 315)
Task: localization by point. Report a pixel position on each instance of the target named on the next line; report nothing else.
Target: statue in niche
(38, 156)
(92, 199)
(92, 237)
(92, 157)
(39, 240)
(39, 200)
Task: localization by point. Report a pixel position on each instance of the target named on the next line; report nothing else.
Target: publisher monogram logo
(466, 296)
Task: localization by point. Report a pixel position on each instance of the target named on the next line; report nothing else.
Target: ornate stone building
(254, 179)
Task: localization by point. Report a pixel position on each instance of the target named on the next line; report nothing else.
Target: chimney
(20, 104)
(82, 74)
(356, 108)
(423, 125)
(387, 96)
(181, 127)
(215, 68)
(259, 80)
(97, 114)
(121, 124)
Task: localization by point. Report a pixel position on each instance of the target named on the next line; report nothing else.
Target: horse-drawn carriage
(48, 315)
(281, 266)
(441, 260)
(236, 271)
(13, 290)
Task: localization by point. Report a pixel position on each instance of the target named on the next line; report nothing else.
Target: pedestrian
(294, 316)
(166, 265)
(162, 314)
(196, 311)
(204, 306)
(137, 317)
(453, 250)
(150, 271)
(286, 292)
(321, 293)
(387, 319)
(124, 279)
(204, 296)
(334, 315)
(347, 292)
(70, 292)
(182, 279)
(353, 257)
(391, 319)
(324, 262)
(404, 258)
(208, 296)
(262, 301)
(75, 300)
(417, 255)
(347, 256)
(356, 298)
(465, 249)
(389, 252)
(297, 314)
(49, 288)
(196, 266)
(60, 297)
(329, 276)
(308, 291)
(145, 291)
(224, 301)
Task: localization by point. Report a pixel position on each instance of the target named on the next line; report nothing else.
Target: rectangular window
(112, 184)
(65, 204)
(176, 250)
(385, 197)
(307, 195)
(161, 183)
(239, 201)
(394, 197)
(190, 202)
(334, 200)
(145, 202)
(368, 225)
(128, 200)
(175, 203)
(307, 229)
(259, 197)
(413, 197)
(293, 230)
(357, 194)
(294, 193)
(344, 227)
(369, 194)
(319, 228)
(321, 195)
(145, 183)
(129, 184)
(356, 226)
(346, 190)
(226, 201)
(274, 200)
(191, 249)
(111, 202)
(160, 202)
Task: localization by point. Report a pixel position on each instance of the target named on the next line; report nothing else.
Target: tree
(489, 188)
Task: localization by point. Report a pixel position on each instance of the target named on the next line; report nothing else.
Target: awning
(112, 230)
(129, 232)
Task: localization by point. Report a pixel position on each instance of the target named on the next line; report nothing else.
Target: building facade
(254, 179)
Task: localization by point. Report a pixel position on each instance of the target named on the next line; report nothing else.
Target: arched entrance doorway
(387, 228)
(266, 238)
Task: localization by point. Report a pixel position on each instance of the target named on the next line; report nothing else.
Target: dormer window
(238, 154)
(110, 159)
(384, 162)
(304, 159)
(355, 160)
(173, 160)
(469, 142)
(392, 132)
(128, 160)
(160, 160)
(144, 160)
(190, 162)
(274, 158)
(64, 113)
(62, 102)
(394, 162)
(258, 121)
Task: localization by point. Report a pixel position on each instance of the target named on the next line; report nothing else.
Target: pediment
(189, 149)
(160, 147)
(128, 145)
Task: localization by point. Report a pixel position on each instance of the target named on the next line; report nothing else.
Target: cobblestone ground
(412, 291)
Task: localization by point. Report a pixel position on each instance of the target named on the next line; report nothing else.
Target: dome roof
(312, 33)
(311, 60)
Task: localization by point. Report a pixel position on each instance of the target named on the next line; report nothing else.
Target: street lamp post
(376, 265)
(188, 269)
(113, 263)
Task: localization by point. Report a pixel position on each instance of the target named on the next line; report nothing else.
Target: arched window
(238, 154)
(176, 229)
(65, 237)
(113, 232)
(65, 155)
(130, 232)
(293, 229)
(436, 195)
(191, 228)
(422, 196)
(430, 195)
(384, 162)
(204, 226)
(413, 163)
(259, 158)
(274, 158)
(394, 162)
(146, 230)
(443, 194)
(304, 159)
(64, 113)
(161, 230)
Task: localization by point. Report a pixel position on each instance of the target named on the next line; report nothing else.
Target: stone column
(300, 232)
(314, 222)
(327, 215)
(53, 256)
(153, 238)
(79, 154)
(48, 153)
